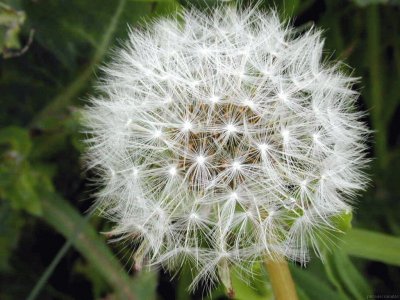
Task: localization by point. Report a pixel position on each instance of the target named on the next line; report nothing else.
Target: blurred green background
(50, 248)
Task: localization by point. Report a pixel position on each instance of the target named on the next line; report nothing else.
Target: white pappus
(222, 138)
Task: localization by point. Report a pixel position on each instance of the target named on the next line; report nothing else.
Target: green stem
(281, 280)
(73, 90)
(375, 82)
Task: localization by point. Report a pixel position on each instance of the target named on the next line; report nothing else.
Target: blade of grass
(313, 286)
(49, 270)
(62, 100)
(56, 260)
(332, 278)
(372, 245)
(345, 277)
(375, 83)
(63, 217)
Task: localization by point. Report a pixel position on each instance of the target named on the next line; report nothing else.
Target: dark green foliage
(51, 51)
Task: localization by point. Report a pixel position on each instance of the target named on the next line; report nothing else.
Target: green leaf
(325, 238)
(63, 217)
(290, 6)
(48, 117)
(68, 95)
(363, 3)
(61, 28)
(372, 245)
(184, 280)
(345, 276)
(17, 139)
(343, 221)
(145, 285)
(11, 21)
(23, 194)
(18, 181)
(165, 7)
(10, 224)
(255, 287)
(313, 286)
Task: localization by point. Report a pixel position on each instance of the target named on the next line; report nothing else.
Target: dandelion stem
(281, 280)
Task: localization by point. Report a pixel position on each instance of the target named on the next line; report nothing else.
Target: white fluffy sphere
(224, 138)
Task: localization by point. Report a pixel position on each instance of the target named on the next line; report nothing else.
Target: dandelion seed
(214, 99)
(157, 134)
(187, 126)
(230, 128)
(236, 165)
(200, 159)
(172, 171)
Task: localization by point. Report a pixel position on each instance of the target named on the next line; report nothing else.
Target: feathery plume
(220, 139)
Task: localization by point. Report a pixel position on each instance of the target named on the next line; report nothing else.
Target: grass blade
(372, 245)
(63, 217)
(73, 90)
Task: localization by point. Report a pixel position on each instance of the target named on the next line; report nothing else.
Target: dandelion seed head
(224, 139)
